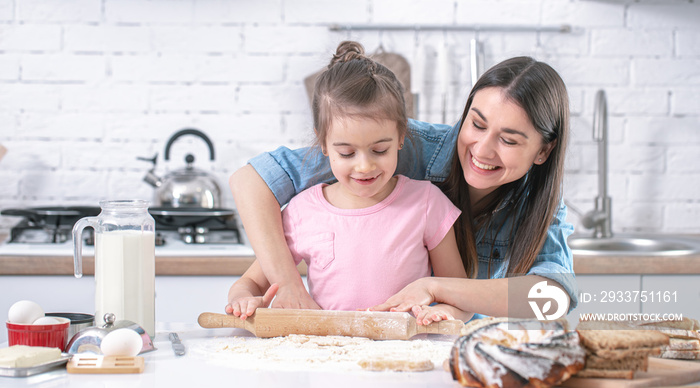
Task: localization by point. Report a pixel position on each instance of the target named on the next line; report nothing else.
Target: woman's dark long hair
(535, 198)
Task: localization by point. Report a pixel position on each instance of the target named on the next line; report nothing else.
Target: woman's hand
(294, 297)
(416, 293)
(246, 306)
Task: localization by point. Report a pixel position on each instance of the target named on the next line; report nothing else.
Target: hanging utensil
(417, 77)
(476, 60)
(443, 61)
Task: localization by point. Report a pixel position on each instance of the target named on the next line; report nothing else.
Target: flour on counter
(307, 352)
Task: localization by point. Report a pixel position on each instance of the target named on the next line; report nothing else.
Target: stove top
(42, 232)
(173, 248)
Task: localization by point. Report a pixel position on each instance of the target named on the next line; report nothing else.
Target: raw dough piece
(397, 365)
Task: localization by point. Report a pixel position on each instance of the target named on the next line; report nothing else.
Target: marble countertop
(164, 369)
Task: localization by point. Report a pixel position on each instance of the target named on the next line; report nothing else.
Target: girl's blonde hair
(356, 86)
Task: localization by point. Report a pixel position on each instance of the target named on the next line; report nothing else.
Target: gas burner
(203, 235)
(47, 225)
(192, 226)
(29, 233)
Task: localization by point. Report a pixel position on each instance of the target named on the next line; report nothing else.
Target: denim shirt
(427, 155)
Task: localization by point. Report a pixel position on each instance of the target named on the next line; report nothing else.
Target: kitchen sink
(635, 245)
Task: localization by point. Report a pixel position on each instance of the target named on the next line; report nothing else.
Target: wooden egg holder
(95, 364)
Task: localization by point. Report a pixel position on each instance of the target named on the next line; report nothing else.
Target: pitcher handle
(78, 243)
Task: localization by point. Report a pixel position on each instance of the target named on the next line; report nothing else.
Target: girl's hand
(416, 293)
(426, 315)
(246, 306)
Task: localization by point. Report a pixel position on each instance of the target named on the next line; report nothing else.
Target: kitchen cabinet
(673, 294)
(645, 294)
(598, 295)
(178, 298)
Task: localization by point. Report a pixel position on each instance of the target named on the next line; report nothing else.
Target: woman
(503, 167)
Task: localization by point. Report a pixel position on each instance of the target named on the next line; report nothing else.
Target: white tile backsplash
(87, 86)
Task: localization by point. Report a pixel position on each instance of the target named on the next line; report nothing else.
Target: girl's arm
(244, 296)
(439, 312)
(445, 258)
(483, 296)
(260, 214)
(446, 262)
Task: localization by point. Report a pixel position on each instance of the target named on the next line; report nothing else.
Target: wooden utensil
(98, 364)
(266, 322)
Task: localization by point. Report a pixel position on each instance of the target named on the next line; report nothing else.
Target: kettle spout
(152, 179)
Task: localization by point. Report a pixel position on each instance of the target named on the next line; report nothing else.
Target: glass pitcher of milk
(124, 261)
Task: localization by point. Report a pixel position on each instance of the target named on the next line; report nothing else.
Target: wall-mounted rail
(564, 28)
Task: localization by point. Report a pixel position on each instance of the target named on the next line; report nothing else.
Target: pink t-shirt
(358, 258)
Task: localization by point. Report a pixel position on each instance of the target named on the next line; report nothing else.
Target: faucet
(599, 219)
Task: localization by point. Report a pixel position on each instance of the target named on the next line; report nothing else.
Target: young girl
(502, 164)
(371, 233)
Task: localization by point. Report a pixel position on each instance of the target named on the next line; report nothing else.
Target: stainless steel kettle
(186, 187)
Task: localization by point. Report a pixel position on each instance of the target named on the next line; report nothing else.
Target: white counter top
(174, 248)
(164, 369)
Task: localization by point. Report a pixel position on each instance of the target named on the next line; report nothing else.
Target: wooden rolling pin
(266, 322)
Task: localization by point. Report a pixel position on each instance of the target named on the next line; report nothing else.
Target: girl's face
(497, 143)
(363, 154)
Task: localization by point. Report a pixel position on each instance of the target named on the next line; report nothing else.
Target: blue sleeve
(555, 261)
(425, 156)
(288, 172)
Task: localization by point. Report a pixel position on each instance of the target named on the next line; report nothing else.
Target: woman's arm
(483, 296)
(260, 214)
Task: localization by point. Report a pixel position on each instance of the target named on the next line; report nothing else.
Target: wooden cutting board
(661, 372)
(266, 322)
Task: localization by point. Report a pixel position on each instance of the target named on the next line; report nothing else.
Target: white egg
(46, 321)
(25, 312)
(121, 342)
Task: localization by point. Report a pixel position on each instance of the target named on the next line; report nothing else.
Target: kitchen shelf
(563, 28)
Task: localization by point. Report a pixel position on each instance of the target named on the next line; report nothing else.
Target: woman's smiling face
(497, 143)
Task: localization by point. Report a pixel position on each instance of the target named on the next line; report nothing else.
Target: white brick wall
(87, 86)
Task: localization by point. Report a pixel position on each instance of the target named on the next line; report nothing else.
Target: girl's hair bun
(347, 51)
(356, 86)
